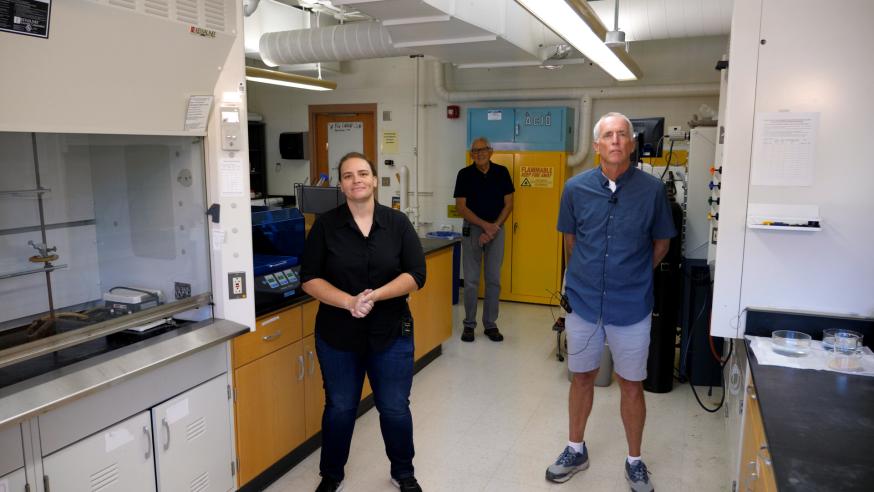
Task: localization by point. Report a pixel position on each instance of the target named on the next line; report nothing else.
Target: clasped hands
(489, 232)
(361, 305)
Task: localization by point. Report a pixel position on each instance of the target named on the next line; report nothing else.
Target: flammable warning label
(537, 176)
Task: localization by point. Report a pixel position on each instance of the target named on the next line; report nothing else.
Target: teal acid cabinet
(549, 128)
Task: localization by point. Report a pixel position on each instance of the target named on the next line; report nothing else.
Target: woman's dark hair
(353, 155)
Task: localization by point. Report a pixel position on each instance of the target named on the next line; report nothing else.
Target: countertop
(53, 389)
(429, 245)
(819, 426)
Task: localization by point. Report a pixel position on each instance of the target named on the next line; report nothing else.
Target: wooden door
(535, 259)
(289, 419)
(330, 122)
(315, 392)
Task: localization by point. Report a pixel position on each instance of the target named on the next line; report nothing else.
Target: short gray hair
(481, 139)
(596, 132)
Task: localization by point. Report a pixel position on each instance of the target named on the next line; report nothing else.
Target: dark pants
(391, 375)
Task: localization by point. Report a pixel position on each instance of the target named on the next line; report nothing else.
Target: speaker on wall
(294, 145)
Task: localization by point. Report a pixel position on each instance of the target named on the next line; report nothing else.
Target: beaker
(847, 353)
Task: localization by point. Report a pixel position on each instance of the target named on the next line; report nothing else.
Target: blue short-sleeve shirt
(610, 274)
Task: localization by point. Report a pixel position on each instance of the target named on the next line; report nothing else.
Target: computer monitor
(317, 199)
(653, 129)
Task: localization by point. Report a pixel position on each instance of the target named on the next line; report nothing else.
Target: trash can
(605, 372)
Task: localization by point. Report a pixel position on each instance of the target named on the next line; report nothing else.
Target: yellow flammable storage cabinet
(533, 143)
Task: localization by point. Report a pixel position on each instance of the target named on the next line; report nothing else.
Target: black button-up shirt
(484, 192)
(336, 251)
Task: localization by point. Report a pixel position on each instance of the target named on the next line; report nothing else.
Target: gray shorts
(628, 344)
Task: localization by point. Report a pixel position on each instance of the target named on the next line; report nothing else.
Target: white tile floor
(491, 417)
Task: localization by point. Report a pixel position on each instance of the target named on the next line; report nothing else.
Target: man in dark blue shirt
(617, 226)
(484, 197)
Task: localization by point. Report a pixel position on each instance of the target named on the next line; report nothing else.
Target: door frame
(316, 110)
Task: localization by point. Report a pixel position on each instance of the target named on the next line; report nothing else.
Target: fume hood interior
(99, 234)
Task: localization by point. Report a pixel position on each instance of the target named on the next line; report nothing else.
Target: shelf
(783, 228)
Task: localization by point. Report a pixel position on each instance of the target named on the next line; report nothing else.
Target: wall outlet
(181, 290)
(237, 285)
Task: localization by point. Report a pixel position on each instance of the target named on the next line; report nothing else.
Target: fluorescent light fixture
(577, 24)
(288, 79)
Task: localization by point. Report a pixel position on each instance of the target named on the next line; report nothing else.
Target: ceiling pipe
(585, 94)
(343, 42)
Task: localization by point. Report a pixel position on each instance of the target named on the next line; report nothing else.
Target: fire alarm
(453, 111)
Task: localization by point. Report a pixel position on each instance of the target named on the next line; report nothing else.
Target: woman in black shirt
(360, 261)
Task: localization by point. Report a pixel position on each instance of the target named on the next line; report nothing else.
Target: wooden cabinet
(315, 393)
(278, 388)
(756, 469)
(119, 458)
(431, 306)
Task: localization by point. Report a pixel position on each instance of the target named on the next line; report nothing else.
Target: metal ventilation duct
(355, 41)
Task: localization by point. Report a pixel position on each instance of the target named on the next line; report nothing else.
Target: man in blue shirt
(617, 226)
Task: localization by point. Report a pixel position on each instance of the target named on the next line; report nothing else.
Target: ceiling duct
(355, 41)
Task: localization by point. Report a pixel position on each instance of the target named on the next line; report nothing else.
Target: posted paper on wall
(784, 149)
(231, 177)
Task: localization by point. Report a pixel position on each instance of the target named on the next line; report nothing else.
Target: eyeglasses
(481, 149)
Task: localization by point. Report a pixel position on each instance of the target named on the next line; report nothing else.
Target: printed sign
(28, 17)
(390, 142)
(537, 176)
(452, 212)
(494, 115)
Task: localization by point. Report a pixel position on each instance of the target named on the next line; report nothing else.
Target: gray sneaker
(638, 477)
(568, 463)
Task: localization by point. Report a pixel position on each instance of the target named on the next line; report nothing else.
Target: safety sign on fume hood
(28, 17)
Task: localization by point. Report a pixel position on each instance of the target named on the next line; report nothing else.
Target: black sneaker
(467, 335)
(494, 335)
(330, 485)
(408, 484)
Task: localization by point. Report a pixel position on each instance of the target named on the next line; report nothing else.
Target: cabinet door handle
(273, 336)
(148, 434)
(752, 476)
(166, 427)
(515, 227)
(763, 451)
(270, 320)
(752, 393)
(517, 129)
(312, 362)
(45, 483)
(302, 371)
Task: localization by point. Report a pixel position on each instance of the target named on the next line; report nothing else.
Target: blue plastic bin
(456, 258)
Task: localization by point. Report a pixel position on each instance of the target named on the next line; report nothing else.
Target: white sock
(576, 446)
(633, 459)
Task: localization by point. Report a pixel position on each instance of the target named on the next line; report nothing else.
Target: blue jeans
(391, 376)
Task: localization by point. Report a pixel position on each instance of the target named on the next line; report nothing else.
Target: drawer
(272, 332)
(309, 317)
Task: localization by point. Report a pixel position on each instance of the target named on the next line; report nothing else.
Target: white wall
(827, 271)
(390, 83)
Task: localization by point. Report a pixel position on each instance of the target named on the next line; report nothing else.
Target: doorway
(336, 129)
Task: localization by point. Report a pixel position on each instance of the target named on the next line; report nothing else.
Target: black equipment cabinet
(257, 159)
(667, 289)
